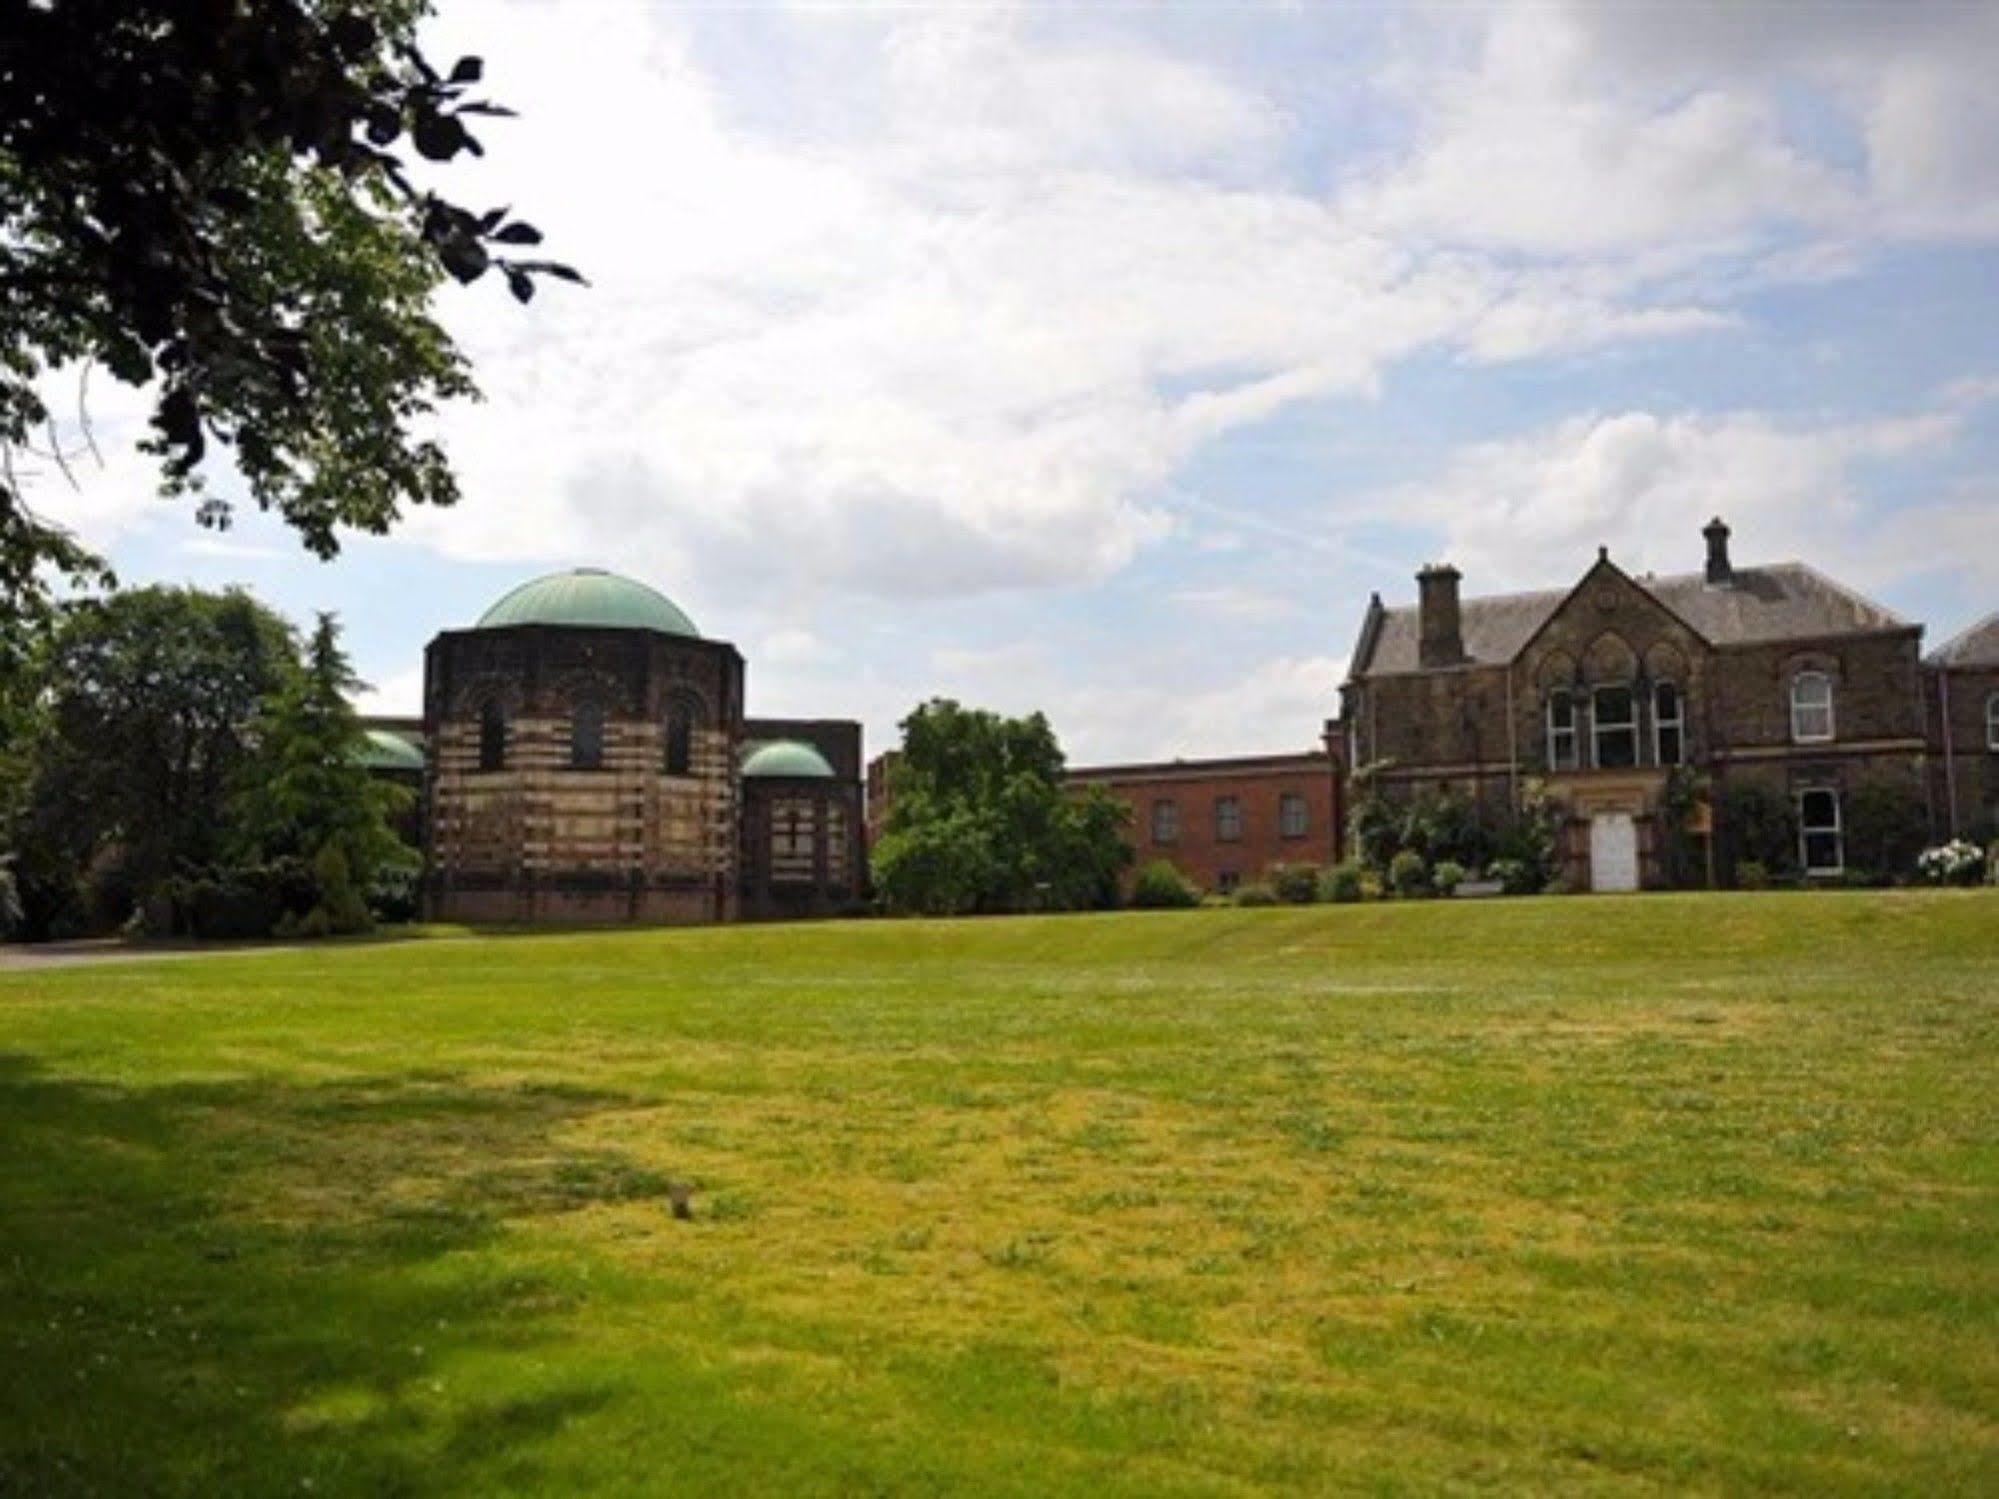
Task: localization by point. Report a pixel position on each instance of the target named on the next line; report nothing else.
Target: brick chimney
(1440, 639)
(1718, 568)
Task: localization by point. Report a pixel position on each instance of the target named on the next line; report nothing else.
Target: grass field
(1652, 1194)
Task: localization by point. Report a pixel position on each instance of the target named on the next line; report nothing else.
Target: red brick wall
(1257, 784)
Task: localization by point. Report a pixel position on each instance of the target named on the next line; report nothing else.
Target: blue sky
(1105, 359)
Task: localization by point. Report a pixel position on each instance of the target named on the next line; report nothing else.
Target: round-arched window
(1811, 707)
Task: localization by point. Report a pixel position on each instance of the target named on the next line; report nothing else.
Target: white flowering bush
(1954, 863)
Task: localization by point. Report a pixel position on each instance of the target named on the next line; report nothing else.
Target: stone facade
(1961, 682)
(1774, 678)
(802, 850)
(529, 822)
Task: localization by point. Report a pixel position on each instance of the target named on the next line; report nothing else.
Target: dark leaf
(438, 137)
(519, 234)
(469, 70)
(385, 123)
(521, 284)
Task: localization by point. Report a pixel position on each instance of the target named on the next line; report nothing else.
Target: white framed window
(1613, 728)
(1228, 819)
(1821, 849)
(1292, 818)
(1669, 726)
(1165, 821)
(1992, 722)
(1561, 731)
(1811, 707)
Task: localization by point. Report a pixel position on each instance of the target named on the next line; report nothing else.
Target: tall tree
(213, 198)
(979, 820)
(147, 705)
(305, 792)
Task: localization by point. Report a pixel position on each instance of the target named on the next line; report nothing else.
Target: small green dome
(787, 757)
(381, 750)
(592, 597)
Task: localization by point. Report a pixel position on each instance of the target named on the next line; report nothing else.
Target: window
(1992, 722)
(1226, 881)
(1561, 731)
(1669, 731)
(1819, 841)
(1165, 821)
(837, 871)
(492, 737)
(1613, 728)
(586, 735)
(791, 840)
(1228, 819)
(1811, 706)
(1292, 819)
(679, 737)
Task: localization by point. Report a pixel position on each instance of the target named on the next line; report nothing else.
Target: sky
(1104, 359)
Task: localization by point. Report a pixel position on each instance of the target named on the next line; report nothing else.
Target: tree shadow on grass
(268, 1286)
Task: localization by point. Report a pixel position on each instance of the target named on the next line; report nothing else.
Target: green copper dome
(589, 596)
(379, 749)
(787, 757)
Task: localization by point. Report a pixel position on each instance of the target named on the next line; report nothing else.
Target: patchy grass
(1660, 1194)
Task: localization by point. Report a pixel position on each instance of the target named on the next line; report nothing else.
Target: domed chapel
(586, 757)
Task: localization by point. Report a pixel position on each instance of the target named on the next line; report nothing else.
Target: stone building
(1225, 822)
(1772, 676)
(1963, 693)
(587, 758)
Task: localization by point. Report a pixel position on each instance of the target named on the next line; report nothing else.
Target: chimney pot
(1439, 627)
(1719, 569)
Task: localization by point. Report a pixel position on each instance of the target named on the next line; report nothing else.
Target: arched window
(586, 735)
(492, 736)
(1820, 846)
(1669, 729)
(1561, 730)
(1811, 707)
(1992, 722)
(680, 717)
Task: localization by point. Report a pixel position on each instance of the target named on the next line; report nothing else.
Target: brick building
(1774, 677)
(586, 757)
(1225, 822)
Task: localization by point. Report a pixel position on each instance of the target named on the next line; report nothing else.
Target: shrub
(1342, 884)
(1757, 827)
(1256, 895)
(1954, 863)
(1884, 828)
(392, 893)
(1160, 887)
(1295, 884)
(1447, 876)
(1407, 874)
(1751, 875)
(1515, 876)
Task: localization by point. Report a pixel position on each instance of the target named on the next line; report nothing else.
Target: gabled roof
(1976, 646)
(1784, 601)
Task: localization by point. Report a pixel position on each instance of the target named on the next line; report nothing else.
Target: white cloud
(955, 341)
(1521, 512)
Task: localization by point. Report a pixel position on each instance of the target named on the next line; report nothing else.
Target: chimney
(1718, 568)
(1440, 639)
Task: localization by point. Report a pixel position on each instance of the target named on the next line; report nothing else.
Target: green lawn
(1649, 1194)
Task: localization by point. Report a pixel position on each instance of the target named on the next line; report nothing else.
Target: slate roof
(1977, 646)
(1784, 601)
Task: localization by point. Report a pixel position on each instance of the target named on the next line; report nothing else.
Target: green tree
(144, 727)
(979, 819)
(213, 199)
(305, 794)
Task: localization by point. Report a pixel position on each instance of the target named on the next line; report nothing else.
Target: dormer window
(1811, 707)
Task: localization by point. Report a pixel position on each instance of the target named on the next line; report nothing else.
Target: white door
(1613, 852)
